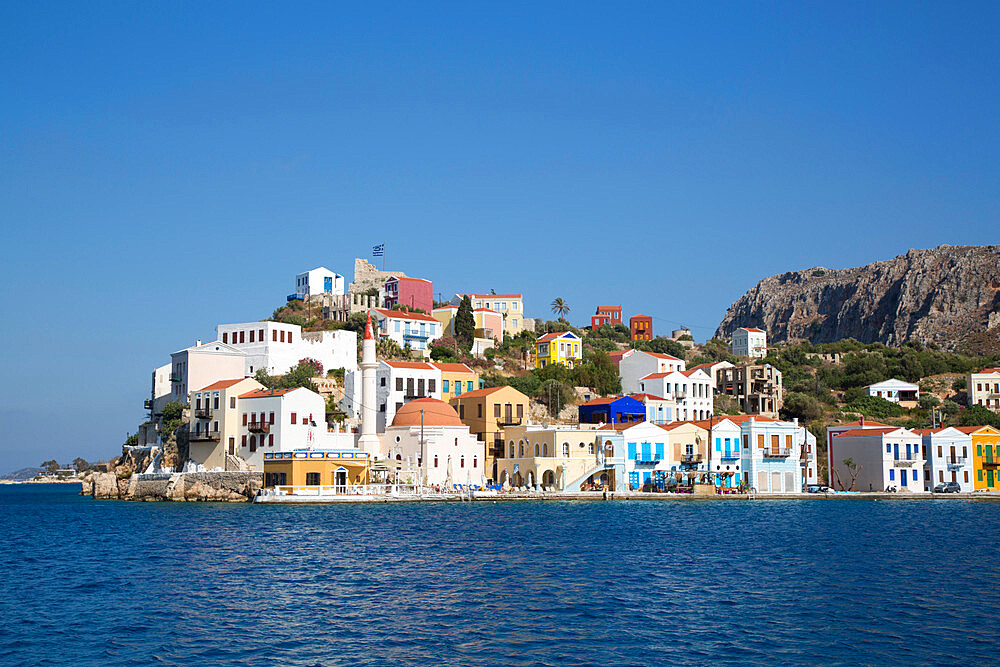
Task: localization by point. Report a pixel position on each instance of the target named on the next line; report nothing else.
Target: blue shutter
(892, 475)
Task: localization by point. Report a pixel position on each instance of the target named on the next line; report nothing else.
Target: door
(902, 477)
(340, 478)
(328, 284)
(989, 478)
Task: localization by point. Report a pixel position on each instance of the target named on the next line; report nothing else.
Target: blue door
(328, 284)
(902, 477)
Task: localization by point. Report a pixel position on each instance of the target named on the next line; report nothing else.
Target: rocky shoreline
(230, 486)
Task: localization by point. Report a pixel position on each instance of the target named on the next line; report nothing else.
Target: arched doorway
(340, 479)
(549, 479)
(517, 480)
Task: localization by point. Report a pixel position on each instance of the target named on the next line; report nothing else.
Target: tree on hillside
(316, 366)
(555, 396)
(977, 415)
(465, 324)
(81, 464)
(600, 374)
(560, 307)
(50, 466)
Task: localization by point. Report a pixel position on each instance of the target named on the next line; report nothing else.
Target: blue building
(614, 410)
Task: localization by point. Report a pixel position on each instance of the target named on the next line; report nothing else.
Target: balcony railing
(416, 334)
(777, 453)
(906, 463)
(204, 436)
(640, 461)
(203, 413)
(729, 456)
(510, 421)
(147, 404)
(690, 459)
(258, 427)
(955, 461)
(991, 465)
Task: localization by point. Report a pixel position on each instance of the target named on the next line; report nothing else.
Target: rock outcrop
(944, 295)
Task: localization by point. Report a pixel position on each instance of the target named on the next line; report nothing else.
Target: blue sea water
(532, 583)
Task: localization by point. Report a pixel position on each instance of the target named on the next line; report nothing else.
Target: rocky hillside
(949, 295)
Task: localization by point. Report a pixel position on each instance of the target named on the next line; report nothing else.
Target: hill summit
(949, 295)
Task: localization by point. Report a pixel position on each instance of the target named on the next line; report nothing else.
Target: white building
(831, 446)
(431, 445)
(398, 382)
(201, 365)
(659, 410)
(772, 454)
(637, 365)
(749, 342)
(714, 370)
(278, 347)
(810, 467)
(889, 457)
(414, 329)
(280, 420)
(725, 456)
(214, 423)
(692, 390)
(983, 388)
(948, 458)
(320, 280)
(895, 390)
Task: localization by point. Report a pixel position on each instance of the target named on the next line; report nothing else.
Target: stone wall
(229, 486)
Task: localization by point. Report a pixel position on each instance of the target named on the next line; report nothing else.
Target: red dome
(435, 413)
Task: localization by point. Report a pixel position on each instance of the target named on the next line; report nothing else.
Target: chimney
(197, 343)
(862, 421)
(795, 420)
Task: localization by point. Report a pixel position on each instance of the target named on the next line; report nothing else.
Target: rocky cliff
(949, 295)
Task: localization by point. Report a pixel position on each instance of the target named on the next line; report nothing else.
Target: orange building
(641, 326)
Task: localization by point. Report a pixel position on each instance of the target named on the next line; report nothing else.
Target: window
(274, 335)
(243, 442)
(289, 336)
(565, 449)
(590, 448)
(444, 386)
(242, 336)
(244, 419)
(225, 338)
(479, 410)
(520, 450)
(520, 411)
(461, 462)
(536, 450)
(966, 476)
(271, 418)
(251, 335)
(496, 411)
(914, 475)
(260, 335)
(461, 411)
(512, 450)
(788, 441)
(232, 401)
(312, 479)
(469, 386)
(760, 439)
(197, 402)
(215, 403)
(270, 440)
(941, 475)
(746, 442)
(775, 441)
(305, 420)
(475, 461)
(215, 426)
(545, 449)
(293, 418)
(888, 448)
(431, 386)
(892, 474)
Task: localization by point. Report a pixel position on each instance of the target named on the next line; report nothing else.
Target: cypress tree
(465, 324)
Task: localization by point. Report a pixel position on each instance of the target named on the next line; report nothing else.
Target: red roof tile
(552, 336)
(413, 365)
(404, 315)
(865, 432)
(647, 397)
(866, 424)
(492, 296)
(267, 393)
(452, 368)
(221, 384)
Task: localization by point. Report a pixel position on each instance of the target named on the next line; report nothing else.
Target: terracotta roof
(267, 393)
(413, 365)
(660, 355)
(972, 429)
(221, 384)
(448, 307)
(671, 426)
(434, 413)
(866, 424)
(479, 393)
(452, 368)
(492, 296)
(754, 329)
(402, 278)
(607, 309)
(988, 370)
(404, 315)
(552, 336)
(484, 310)
(863, 432)
(689, 373)
(656, 376)
(647, 397)
(640, 317)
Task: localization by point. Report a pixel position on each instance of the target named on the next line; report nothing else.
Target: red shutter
(270, 440)
(244, 443)
(260, 335)
(274, 335)
(272, 418)
(244, 422)
(225, 338)
(293, 417)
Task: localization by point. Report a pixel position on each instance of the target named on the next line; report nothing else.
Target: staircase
(236, 463)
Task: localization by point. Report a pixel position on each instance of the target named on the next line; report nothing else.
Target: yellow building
(339, 468)
(489, 324)
(509, 306)
(487, 413)
(556, 457)
(560, 347)
(985, 456)
(456, 379)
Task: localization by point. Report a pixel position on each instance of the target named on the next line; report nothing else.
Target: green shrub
(875, 406)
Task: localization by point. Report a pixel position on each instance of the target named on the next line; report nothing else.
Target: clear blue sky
(165, 167)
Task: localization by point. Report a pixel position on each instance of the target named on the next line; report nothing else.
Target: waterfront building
(906, 394)
(428, 444)
(456, 379)
(398, 382)
(756, 388)
(638, 364)
(612, 410)
(561, 458)
(277, 347)
(986, 456)
(883, 457)
(320, 280)
(416, 330)
(809, 458)
(159, 395)
(203, 364)
(833, 431)
(337, 468)
(611, 315)
(692, 390)
(749, 342)
(409, 293)
(641, 327)
(983, 388)
(659, 410)
(688, 453)
(280, 420)
(560, 347)
(947, 457)
(772, 459)
(488, 413)
(214, 428)
(510, 307)
(725, 456)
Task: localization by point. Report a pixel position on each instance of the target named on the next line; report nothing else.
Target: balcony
(955, 462)
(906, 463)
(509, 421)
(991, 465)
(202, 413)
(258, 427)
(415, 335)
(640, 461)
(147, 404)
(690, 459)
(730, 456)
(204, 436)
(776, 453)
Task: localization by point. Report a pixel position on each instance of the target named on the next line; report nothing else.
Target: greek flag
(379, 250)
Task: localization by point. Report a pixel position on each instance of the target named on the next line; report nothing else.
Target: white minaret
(368, 442)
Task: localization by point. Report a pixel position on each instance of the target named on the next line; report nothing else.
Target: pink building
(411, 293)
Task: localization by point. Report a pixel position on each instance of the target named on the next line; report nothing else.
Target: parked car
(818, 488)
(948, 487)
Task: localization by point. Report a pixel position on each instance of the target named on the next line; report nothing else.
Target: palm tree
(560, 308)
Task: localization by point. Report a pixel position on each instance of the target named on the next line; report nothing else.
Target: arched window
(456, 442)
(565, 449)
(512, 450)
(590, 448)
(520, 451)
(545, 449)
(435, 461)
(461, 462)
(475, 461)
(536, 449)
